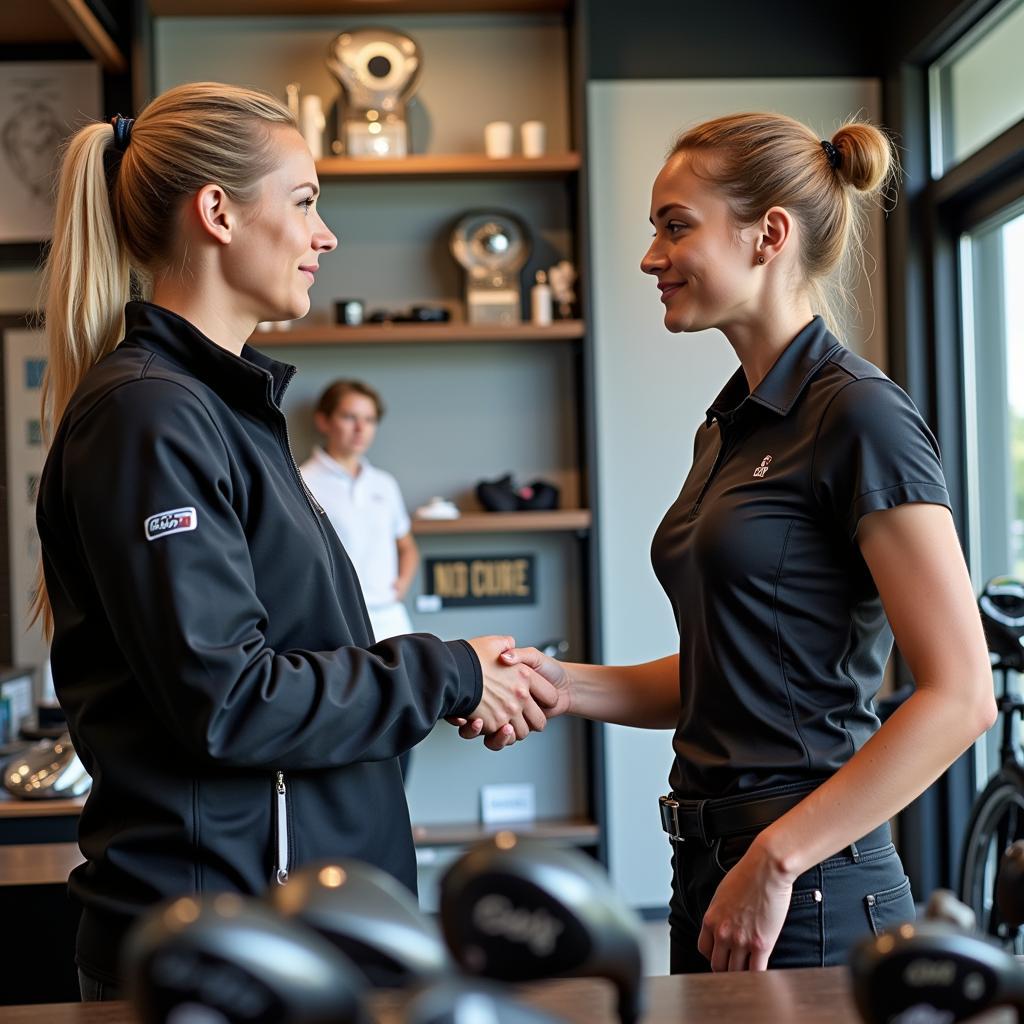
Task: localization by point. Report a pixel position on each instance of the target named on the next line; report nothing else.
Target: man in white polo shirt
(363, 503)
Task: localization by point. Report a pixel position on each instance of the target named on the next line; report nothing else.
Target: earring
(760, 259)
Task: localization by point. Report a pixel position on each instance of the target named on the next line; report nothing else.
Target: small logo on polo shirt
(763, 468)
(175, 520)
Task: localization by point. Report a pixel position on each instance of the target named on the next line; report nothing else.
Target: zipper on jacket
(282, 861)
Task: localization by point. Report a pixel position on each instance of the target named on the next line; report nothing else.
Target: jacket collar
(249, 379)
(784, 383)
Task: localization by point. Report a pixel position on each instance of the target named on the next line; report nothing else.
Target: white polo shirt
(369, 516)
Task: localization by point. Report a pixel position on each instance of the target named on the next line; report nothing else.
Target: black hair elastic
(831, 152)
(122, 131)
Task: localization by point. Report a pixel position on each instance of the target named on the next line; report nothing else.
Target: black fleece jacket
(212, 650)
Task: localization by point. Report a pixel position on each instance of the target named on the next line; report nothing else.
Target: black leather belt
(711, 819)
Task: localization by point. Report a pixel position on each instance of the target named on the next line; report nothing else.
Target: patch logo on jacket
(176, 520)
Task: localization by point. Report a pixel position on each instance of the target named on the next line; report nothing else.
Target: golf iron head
(370, 917)
(517, 909)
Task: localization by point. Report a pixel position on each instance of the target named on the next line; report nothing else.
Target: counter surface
(811, 996)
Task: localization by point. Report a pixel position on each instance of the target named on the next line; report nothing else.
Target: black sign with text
(481, 580)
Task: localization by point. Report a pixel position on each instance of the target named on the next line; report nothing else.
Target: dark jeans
(94, 991)
(861, 891)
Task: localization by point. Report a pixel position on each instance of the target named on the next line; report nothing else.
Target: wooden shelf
(416, 334)
(506, 522)
(38, 863)
(446, 166)
(263, 8)
(578, 831)
(55, 807)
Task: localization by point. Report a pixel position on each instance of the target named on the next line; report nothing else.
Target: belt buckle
(669, 807)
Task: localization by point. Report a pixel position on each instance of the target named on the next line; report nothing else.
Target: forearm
(645, 696)
(916, 745)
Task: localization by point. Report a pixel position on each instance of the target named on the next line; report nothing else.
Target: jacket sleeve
(180, 597)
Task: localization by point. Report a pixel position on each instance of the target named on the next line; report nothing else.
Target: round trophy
(493, 247)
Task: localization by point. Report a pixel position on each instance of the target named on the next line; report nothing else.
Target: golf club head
(370, 917)
(232, 960)
(516, 909)
(931, 971)
(1010, 885)
(471, 1002)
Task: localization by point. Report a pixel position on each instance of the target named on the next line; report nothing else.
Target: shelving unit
(418, 334)
(265, 8)
(471, 400)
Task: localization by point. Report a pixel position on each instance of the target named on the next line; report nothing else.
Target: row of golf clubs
(511, 909)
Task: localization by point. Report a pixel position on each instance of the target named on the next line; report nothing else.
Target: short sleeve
(874, 451)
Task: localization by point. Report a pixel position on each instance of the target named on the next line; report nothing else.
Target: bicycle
(997, 815)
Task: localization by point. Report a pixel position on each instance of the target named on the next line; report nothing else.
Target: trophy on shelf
(492, 247)
(378, 70)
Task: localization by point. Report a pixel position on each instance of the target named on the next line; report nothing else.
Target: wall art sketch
(41, 103)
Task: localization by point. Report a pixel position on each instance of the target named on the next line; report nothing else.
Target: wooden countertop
(38, 864)
(13, 808)
(812, 996)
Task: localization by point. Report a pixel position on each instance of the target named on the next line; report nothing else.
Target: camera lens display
(379, 67)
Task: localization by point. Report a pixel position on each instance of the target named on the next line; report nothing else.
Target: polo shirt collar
(249, 379)
(332, 465)
(784, 382)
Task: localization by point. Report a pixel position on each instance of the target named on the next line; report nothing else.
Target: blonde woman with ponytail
(814, 524)
(210, 644)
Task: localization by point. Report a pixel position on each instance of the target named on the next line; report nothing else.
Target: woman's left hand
(746, 915)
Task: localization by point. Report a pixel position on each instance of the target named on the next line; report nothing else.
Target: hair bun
(866, 156)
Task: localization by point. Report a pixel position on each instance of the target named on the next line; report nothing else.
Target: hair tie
(832, 153)
(122, 131)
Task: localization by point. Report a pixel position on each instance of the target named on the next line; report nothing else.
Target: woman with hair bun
(813, 526)
(210, 643)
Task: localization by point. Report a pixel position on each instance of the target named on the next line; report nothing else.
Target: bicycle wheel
(996, 821)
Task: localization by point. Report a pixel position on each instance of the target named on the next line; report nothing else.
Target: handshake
(522, 690)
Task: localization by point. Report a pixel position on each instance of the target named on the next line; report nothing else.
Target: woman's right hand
(515, 699)
(554, 672)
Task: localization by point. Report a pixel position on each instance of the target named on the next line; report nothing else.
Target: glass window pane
(978, 87)
(992, 265)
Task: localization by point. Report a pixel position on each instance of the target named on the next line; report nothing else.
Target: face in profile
(351, 427)
(282, 237)
(702, 259)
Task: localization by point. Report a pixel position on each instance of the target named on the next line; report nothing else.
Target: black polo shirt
(782, 636)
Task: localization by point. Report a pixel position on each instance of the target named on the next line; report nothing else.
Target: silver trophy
(378, 70)
(492, 247)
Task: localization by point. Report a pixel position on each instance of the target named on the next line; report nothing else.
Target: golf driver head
(516, 909)
(1010, 885)
(471, 1002)
(370, 917)
(226, 959)
(931, 971)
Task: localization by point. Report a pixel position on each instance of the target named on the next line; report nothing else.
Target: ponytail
(86, 283)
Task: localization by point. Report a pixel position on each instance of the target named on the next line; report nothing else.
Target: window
(977, 87)
(993, 303)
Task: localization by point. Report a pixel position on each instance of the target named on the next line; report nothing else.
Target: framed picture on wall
(22, 362)
(41, 103)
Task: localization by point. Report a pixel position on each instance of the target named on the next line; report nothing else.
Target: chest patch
(175, 520)
(763, 468)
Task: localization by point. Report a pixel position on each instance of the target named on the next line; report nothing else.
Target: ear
(215, 213)
(777, 230)
(320, 422)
